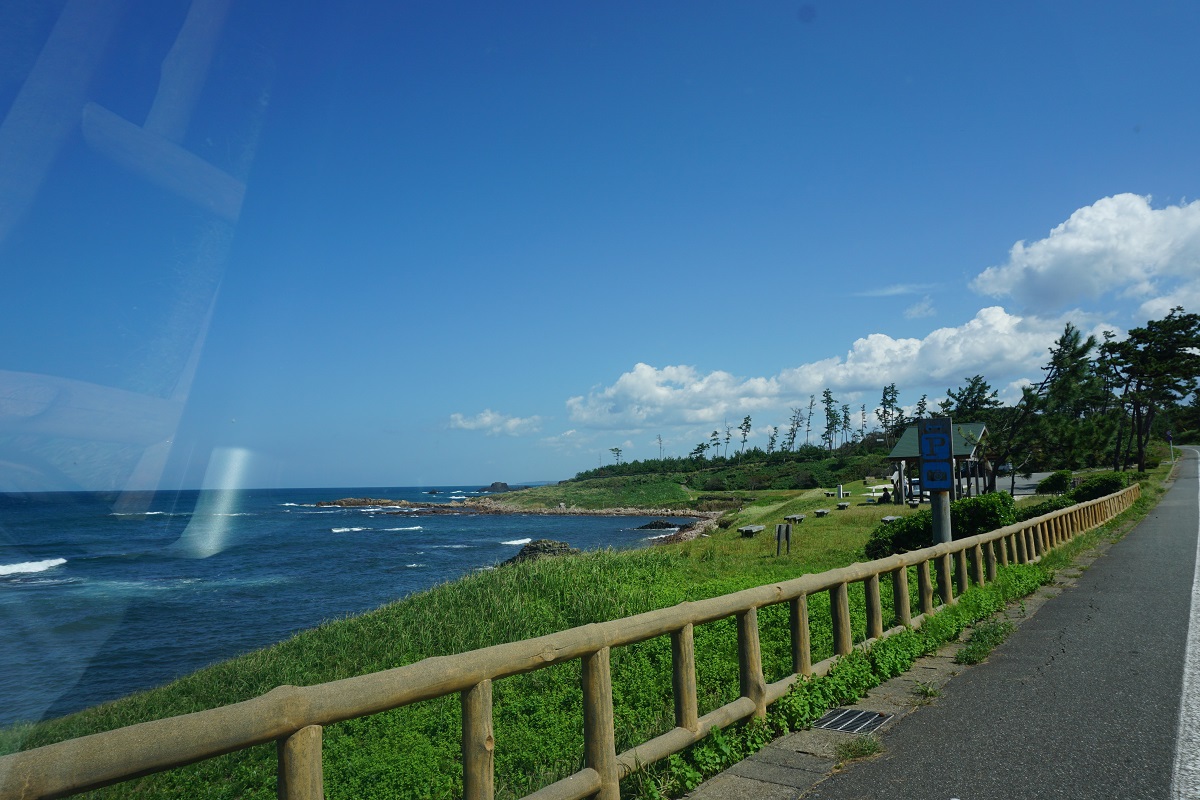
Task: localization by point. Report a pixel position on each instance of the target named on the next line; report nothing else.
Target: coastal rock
(657, 525)
(541, 548)
(501, 486)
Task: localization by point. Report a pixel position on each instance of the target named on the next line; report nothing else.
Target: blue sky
(420, 243)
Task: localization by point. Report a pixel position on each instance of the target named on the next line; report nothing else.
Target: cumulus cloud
(494, 423)
(1119, 245)
(681, 394)
(999, 345)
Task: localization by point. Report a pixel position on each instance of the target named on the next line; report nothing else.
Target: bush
(1055, 483)
(1032, 510)
(968, 517)
(911, 532)
(971, 516)
(1099, 485)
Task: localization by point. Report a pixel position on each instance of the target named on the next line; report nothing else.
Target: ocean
(99, 600)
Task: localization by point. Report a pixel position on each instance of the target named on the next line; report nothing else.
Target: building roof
(967, 436)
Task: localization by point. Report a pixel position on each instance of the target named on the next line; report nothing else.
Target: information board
(937, 454)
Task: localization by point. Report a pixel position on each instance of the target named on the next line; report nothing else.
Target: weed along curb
(795, 762)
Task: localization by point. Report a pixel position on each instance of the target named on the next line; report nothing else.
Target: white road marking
(1185, 779)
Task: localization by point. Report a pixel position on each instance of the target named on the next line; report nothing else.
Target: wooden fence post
(801, 638)
(478, 744)
(750, 670)
(839, 617)
(900, 601)
(925, 587)
(960, 571)
(874, 608)
(300, 774)
(977, 563)
(599, 731)
(683, 678)
(945, 589)
(989, 558)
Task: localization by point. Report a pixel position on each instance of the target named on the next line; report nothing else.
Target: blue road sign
(937, 454)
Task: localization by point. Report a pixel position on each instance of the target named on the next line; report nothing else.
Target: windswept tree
(887, 413)
(745, 429)
(616, 451)
(922, 409)
(714, 443)
(772, 435)
(728, 437)
(847, 423)
(812, 402)
(972, 402)
(793, 429)
(1158, 365)
(833, 420)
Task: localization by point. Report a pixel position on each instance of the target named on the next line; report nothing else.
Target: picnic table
(796, 518)
(820, 512)
(750, 530)
(843, 506)
(889, 519)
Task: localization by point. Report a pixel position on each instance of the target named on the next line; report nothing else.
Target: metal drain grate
(849, 720)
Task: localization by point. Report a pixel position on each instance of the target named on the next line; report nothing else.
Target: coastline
(705, 521)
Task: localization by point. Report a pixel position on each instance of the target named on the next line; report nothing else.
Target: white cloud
(1119, 245)
(996, 344)
(896, 290)
(495, 423)
(924, 308)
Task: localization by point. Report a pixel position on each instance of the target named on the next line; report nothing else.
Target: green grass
(983, 640)
(858, 747)
(414, 751)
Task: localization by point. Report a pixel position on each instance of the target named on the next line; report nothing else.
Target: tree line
(1098, 404)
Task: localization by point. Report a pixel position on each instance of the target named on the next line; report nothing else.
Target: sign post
(1171, 444)
(937, 471)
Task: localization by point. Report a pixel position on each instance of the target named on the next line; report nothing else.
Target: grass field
(414, 751)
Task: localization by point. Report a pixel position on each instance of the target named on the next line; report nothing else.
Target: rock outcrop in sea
(541, 548)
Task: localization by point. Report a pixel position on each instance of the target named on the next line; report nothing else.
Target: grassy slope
(414, 751)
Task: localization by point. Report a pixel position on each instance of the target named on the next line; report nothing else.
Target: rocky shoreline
(705, 521)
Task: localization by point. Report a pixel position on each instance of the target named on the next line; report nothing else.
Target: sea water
(101, 597)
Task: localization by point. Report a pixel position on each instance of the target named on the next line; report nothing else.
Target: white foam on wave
(414, 566)
(669, 532)
(451, 546)
(413, 528)
(518, 541)
(26, 567)
(347, 530)
(458, 497)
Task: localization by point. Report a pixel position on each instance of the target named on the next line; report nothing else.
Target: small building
(971, 467)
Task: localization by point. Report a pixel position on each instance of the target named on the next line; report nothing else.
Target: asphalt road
(1081, 702)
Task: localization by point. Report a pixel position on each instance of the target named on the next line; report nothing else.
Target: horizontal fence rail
(293, 717)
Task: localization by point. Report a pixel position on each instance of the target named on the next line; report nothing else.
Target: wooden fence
(293, 716)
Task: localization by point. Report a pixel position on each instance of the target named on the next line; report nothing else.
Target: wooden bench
(820, 512)
(751, 530)
(796, 518)
(843, 506)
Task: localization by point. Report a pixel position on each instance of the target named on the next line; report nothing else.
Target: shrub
(1045, 507)
(1055, 483)
(911, 532)
(971, 516)
(968, 517)
(1099, 485)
